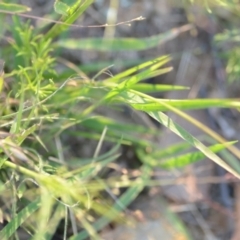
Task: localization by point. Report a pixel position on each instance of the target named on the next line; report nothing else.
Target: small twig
(128, 22)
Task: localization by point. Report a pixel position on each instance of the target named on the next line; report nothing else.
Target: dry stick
(128, 22)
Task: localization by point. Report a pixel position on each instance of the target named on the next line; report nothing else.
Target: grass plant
(42, 189)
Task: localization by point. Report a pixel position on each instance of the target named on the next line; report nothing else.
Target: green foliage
(178, 161)
(19, 219)
(39, 113)
(122, 44)
(232, 54)
(14, 8)
(61, 8)
(229, 36)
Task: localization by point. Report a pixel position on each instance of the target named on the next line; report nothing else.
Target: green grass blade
(154, 104)
(122, 44)
(182, 133)
(189, 104)
(172, 150)
(149, 88)
(99, 122)
(182, 160)
(14, 224)
(120, 77)
(13, 8)
(147, 74)
(26, 133)
(98, 66)
(61, 8)
(230, 158)
(114, 137)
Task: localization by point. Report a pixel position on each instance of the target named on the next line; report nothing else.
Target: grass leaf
(122, 44)
(182, 133)
(147, 74)
(121, 76)
(174, 127)
(182, 160)
(61, 8)
(74, 12)
(185, 104)
(14, 224)
(149, 88)
(14, 8)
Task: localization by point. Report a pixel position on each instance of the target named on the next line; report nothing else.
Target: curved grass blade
(182, 133)
(132, 96)
(14, 224)
(171, 150)
(147, 74)
(126, 139)
(121, 76)
(122, 44)
(182, 160)
(99, 122)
